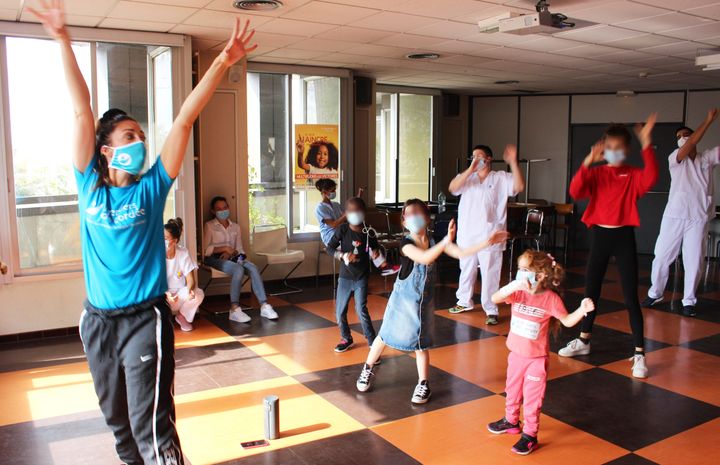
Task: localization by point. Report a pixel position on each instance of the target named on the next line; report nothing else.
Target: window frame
(345, 132)
(182, 85)
(435, 135)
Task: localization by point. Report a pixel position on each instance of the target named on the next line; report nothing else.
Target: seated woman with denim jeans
(223, 250)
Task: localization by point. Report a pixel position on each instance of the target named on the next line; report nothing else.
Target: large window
(404, 142)
(277, 104)
(136, 78)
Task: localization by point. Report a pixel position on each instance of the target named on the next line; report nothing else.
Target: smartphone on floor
(254, 444)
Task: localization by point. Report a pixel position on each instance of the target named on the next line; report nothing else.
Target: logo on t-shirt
(528, 310)
(127, 216)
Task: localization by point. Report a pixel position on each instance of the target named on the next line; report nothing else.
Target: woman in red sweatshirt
(611, 215)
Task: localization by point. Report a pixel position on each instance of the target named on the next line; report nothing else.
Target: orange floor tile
(326, 308)
(696, 446)
(662, 326)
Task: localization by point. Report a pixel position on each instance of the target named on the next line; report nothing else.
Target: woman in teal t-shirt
(126, 325)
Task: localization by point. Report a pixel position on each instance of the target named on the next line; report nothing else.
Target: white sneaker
(266, 311)
(574, 348)
(639, 368)
(239, 316)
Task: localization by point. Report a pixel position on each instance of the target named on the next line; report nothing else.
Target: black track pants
(131, 356)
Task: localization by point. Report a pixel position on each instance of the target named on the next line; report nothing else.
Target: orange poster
(317, 155)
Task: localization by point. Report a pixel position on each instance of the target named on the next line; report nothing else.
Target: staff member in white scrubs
(689, 208)
(482, 211)
(183, 296)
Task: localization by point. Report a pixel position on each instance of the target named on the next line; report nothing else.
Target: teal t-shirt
(121, 228)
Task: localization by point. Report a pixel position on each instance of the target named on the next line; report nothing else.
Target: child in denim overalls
(408, 320)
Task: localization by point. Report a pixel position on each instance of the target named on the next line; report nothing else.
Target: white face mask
(682, 141)
(355, 218)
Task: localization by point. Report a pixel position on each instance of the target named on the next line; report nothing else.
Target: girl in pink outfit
(534, 300)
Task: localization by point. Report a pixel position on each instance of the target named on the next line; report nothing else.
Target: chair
(395, 223)
(272, 244)
(217, 274)
(566, 211)
(322, 250)
(533, 232)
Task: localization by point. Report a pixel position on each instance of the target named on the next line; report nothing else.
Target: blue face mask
(415, 223)
(332, 195)
(526, 275)
(129, 158)
(355, 218)
(614, 156)
(222, 214)
(481, 164)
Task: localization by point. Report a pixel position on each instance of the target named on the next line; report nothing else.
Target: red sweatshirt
(613, 192)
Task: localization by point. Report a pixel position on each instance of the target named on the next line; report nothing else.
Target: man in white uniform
(690, 206)
(482, 211)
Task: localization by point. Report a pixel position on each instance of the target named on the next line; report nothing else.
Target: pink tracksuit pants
(525, 385)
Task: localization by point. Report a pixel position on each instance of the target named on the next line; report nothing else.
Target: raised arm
(83, 139)
(511, 158)
(454, 251)
(459, 181)
(238, 47)
(697, 136)
(581, 186)
(571, 319)
(300, 149)
(649, 174)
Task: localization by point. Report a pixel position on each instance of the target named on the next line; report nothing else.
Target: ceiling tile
(295, 27)
(222, 19)
(447, 30)
(202, 32)
(379, 51)
(588, 51)
(664, 22)
(410, 41)
(614, 12)
(681, 49)
(187, 3)
(72, 7)
(464, 60)
(294, 53)
(203, 44)
(696, 32)
(646, 40)
(600, 34)
(356, 34)
(489, 11)
(7, 14)
(376, 4)
(71, 20)
(114, 23)
(398, 22)
(329, 12)
(677, 5)
(548, 44)
(152, 13)
(459, 46)
(323, 45)
(709, 11)
(437, 9)
(276, 40)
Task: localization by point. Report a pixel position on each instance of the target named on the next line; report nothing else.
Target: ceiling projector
(540, 22)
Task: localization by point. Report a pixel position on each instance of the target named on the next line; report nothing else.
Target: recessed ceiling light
(257, 5)
(508, 82)
(423, 56)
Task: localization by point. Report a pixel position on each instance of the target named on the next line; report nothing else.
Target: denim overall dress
(408, 321)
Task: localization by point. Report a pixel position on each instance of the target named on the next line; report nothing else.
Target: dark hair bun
(112, 114)
(175, 227)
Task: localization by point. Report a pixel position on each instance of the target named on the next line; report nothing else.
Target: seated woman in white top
(183, 296)
(223, 250)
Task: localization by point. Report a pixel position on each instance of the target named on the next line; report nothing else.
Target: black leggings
(618, 243)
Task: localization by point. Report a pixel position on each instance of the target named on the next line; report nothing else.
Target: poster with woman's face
(317, 154)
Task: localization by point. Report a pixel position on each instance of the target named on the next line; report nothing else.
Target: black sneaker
(503, 426)
(422, 393)
(525, 445)
(365, 380)
(651, 301)
(689, 310)
(343, 345)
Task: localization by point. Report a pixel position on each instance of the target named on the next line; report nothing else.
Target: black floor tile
(358, 448)
(445, 331)
(292, 319)
(627, 412)
(41, 353)
(709, 345)
(631, 459)
(572, 301)
(390, 396)
(219, 365)
(707, 309)
(310, 292)
(608, 345)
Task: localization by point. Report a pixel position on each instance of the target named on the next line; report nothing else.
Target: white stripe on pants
(490, 263)
(675, 232)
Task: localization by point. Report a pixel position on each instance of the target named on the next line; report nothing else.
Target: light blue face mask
(355, 218)
(526, 275)
(614, 156)
(415, 223)
(129, 158)
(481, 164)
(222, 214)
(332, 195)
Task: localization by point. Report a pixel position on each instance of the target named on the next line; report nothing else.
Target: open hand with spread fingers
(239, 46)
(52, 18)
(644, 131)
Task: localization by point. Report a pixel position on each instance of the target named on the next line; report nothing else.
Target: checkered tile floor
(594, 411)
